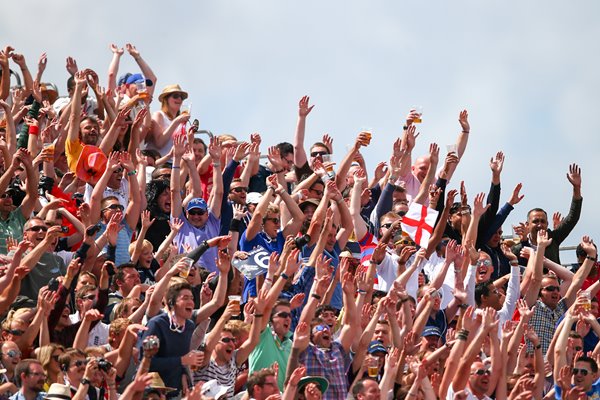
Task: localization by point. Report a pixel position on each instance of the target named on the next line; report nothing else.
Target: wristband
(284, 276)
(277, 172)
(268, 280)
(34, 130)
(316, 296)
(463, 332)
(590, 258)
(84, 381)
(461, 337)
(360, 291)
(539, 346)
(216, 164)
(175, 167)
(235, 225)
(132, 173)
(340, 201)
(258, 315)
(405, 127)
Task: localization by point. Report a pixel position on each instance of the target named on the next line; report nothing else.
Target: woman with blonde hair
(167, 120)
(48, 356)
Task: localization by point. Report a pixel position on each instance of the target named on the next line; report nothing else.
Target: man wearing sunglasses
(201, 220)
(42, 262)
(584, 374)
(11, 355)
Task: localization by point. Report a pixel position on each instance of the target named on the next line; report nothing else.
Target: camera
(64, 229)
(301, 241)
(151, 343)
(104, 365)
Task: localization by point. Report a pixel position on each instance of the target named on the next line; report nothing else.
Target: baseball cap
(253, 198)
(376, 346)
(134, 78)
(432, 331)
(213, 389)
(197, 202)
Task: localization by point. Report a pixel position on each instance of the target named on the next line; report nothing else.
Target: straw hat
(158, 384)
(58, 391)
(170, 89)
(91, 164)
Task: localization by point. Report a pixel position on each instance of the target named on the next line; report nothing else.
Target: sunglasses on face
(552, 288)
(321, 328)
(38, 228)
(405, 242)
(577, 371)
(227, 340)
(196, 211)
(482, 372)
(114, 207)
(80, 363)
(89, 297)
(55, 357)
(177, 96)
(276, 221)
(486, 263)
(283, 314)
(13, 353)
(387, 226)
(318, 153)
(16, 332)
(240, 190)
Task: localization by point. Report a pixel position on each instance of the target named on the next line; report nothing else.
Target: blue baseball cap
(197, 202)
(376, 346)
(123, 78)
(432, 331)
(135, 78)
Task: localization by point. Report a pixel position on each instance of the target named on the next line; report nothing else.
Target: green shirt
(271, 350)
(11, 227)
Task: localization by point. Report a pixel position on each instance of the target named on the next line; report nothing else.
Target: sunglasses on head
(552, 288)
(318, 153)
(482, 372)
(283, 314)
(114, 207)
(38, 228)
(227, 340)
(196, 211)
(13, 353)
(577, 371)
(240, 189)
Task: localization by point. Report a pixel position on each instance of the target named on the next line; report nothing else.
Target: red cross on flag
(418, 223)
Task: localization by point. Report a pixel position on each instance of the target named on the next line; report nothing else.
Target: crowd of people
(143, 257)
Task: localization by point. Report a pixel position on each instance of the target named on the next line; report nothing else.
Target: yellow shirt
(73, 151)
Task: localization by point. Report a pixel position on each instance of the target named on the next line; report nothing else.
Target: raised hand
(42, 63)
(411, 137)
(301, 336)
(116, 50)
(574, 175)
(497, 163)
(587, 245)
(478, 207)
(71, 66)
(516, 197)
(274, 157)
(434, 153)
(463, 120)
(328, 141)
(303, 107)
(132, 50)
(543, 240)
(146, 221)
(557, 219)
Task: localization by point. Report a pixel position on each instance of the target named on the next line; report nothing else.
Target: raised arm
(434, 152)
(178, 151)
(113, 68)
(216, 195)
(146, 71)
(299, 152)
(591, 256)
(360, 182)
(340, 179)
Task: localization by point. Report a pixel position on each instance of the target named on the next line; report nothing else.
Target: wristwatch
(85, 381)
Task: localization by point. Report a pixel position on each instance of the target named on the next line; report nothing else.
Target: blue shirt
(19, 396)
(264, 241)
(308, 274)
(192, 237)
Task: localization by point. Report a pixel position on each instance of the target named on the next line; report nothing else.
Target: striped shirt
(224, 374)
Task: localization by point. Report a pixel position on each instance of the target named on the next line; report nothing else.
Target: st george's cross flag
(418, 223)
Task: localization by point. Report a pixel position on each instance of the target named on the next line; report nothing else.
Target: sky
(527, 72)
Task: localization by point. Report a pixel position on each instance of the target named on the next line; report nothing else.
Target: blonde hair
(118, 325)
(44, 354)
(145, 246)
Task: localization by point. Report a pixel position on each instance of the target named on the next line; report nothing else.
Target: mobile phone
(110, 268)
(53, 285)
(92, 230)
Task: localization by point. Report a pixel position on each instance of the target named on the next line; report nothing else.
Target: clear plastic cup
(189, 263)
(236, 300)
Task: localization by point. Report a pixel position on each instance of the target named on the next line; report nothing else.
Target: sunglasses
(55, 357)
(16, 332)
(240, 190)
(114, 207)
(317, 192)
(552, 288)
(177, 96)
(196, 211)
(321, 328)
(486, 263)
(80, 363)
(89, 297)
(38, 228)
(227, 340)
(276, 221)
(283, 314)
(387, 226)
(318, 153)
(482, 372)
(13, 353)
(577, 371)
(405, 242)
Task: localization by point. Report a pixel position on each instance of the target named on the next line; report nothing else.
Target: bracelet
(461, 337)
(405, 127)
(278, 172)
(175, 167)
(34, 129)
(316, 296)
(466, 131)
(235, 225)
(284, 276)
(590, 258)
(463, 332)
(258, 315)
(216, 164)
(131, 173)
(539, 346)
(360, 291)
(268, 280)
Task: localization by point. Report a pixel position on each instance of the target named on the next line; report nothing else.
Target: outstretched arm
(299, 151)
